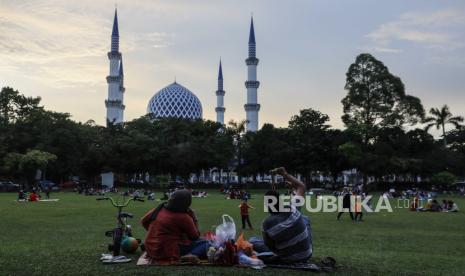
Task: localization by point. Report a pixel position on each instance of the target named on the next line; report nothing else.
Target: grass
(67, 237)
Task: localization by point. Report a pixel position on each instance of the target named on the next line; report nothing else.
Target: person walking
(346, 204)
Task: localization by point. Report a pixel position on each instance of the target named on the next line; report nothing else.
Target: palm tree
(441, 117)
(237, 129)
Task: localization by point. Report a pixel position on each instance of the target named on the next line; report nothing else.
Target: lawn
(67, 237)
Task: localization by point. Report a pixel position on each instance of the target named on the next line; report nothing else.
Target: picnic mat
(145, 260)
(327, 265)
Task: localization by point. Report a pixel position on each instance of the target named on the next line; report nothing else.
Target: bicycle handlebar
(115, 204)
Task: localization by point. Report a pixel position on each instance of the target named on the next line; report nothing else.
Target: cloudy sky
(57, 50)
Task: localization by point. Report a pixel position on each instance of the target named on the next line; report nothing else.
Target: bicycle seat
(126, 215)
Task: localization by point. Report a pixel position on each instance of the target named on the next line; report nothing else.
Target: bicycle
(122, 229)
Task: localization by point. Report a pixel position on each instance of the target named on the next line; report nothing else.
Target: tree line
(385, 134)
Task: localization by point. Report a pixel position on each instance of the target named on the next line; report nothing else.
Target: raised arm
(294, 182)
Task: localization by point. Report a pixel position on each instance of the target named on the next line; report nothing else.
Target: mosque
(176, 100)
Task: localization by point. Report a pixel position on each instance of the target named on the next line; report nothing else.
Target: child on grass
(244, 206)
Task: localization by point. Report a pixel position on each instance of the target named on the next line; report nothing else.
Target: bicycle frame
(121, 227)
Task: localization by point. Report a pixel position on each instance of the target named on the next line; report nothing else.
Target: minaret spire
(252, 107)
(220, 77)
(220, 97)
(114, 103)
(251, 39)
(115, 34)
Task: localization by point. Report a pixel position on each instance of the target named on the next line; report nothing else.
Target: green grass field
(67, 237)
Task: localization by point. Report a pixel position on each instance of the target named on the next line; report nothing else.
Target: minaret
(252, 107)
(220, 98)
(122, 89)
(114, 102)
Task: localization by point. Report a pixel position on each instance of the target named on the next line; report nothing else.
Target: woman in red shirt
(172, 230)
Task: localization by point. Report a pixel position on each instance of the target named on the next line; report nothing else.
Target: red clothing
(166, 233)
(33, 197)
(245, 209)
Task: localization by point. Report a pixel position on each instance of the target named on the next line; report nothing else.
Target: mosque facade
(176, 100)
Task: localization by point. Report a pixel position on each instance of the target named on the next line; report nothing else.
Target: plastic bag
(225, 231)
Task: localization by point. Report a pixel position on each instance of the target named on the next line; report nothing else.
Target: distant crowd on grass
(425, 201)
(421, 193)
(34, 194)
(235, 193)
(432, 205)
(131, 192)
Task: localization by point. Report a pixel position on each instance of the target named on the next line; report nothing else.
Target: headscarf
(179, 201)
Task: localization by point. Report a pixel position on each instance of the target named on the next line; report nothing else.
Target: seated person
(435, 207)
(33, 196)
(172, 230)
(414, 205)
(286, 234)
(444, 206)
(21, 195)
(452, 206)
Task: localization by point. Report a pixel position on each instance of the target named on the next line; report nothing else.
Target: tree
(443, 179)
(27, 164)
(266, 149)
(440, 118)
(237, 130)
(376, 99)
(309, 136)
(15, 106)
(335, 159)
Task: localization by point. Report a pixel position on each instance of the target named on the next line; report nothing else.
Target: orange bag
(245, 246)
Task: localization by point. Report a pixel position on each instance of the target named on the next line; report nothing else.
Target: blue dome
(175, 101)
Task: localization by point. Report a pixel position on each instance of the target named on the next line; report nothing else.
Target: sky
(58, 50)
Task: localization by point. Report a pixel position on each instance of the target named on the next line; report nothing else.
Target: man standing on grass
(286, 234)
(346, 204)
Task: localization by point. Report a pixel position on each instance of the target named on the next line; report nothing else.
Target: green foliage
(443, 178)
(308, 135)
(16, 107)
(375, 110)
(376, 99)
(440, 118)
(27, 164)
(266, 149)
